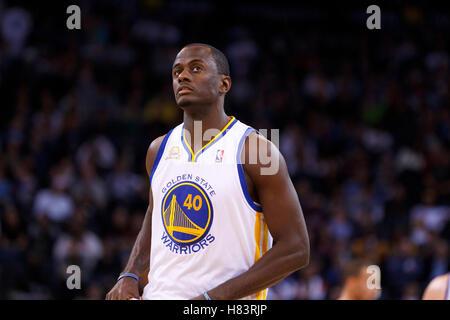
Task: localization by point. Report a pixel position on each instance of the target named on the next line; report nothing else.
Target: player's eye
(197, 68)
(176, 72)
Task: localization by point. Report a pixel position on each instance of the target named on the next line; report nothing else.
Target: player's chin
(185, 101)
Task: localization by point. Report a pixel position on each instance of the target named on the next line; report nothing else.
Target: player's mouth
(184, 90)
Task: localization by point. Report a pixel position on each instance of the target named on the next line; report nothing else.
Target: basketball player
(438, 288)
(355, 283)
(213, 215)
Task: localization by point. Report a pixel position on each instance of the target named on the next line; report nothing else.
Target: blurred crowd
(363, 117)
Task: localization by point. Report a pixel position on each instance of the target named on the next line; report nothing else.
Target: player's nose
(184, 76)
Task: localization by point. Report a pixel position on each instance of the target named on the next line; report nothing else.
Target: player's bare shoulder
(262, 155)
(152, 152)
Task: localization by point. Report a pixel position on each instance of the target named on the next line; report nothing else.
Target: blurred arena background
(363, 117)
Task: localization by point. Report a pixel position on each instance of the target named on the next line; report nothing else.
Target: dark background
(362, 119)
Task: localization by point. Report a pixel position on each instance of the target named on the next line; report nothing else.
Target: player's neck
(215, 118)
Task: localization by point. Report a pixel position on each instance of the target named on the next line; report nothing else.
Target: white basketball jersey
(205, 227)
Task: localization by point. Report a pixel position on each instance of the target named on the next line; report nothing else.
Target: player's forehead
(194, 52)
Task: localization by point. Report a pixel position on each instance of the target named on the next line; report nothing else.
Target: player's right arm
(138, 262)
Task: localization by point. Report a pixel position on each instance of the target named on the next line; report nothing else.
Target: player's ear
(225, 84)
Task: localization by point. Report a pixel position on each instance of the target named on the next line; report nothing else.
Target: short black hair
(221, 60)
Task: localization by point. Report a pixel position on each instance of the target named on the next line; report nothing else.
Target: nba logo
(219, 155)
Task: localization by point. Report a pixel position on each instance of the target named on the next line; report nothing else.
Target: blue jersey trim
(206, 147)
(184, 145)
(159, 154)
(218, 137)
(240, 170)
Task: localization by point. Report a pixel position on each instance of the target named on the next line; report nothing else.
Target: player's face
(194, 77)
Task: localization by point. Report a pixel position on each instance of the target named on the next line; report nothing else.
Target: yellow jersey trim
(261, 245)
(220, 134)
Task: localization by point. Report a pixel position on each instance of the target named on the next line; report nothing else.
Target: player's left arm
(285, 221)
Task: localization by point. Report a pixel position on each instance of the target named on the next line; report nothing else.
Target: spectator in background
(403, 265)
(119, 226)
(77, 246)
(90, 188)
(5, 185)
(431, 216)
(14, 231)
(411, 292)
(55, 202)
(124, 185)
(339, 226)
(99, 150)
(106, 269)
(16, 24)
(26, 184)
(40, 262)
(311, 285)
(440, 262)
(13, 244)
(355, 282)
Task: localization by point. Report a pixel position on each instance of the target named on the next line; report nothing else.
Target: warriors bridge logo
(187, 215)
